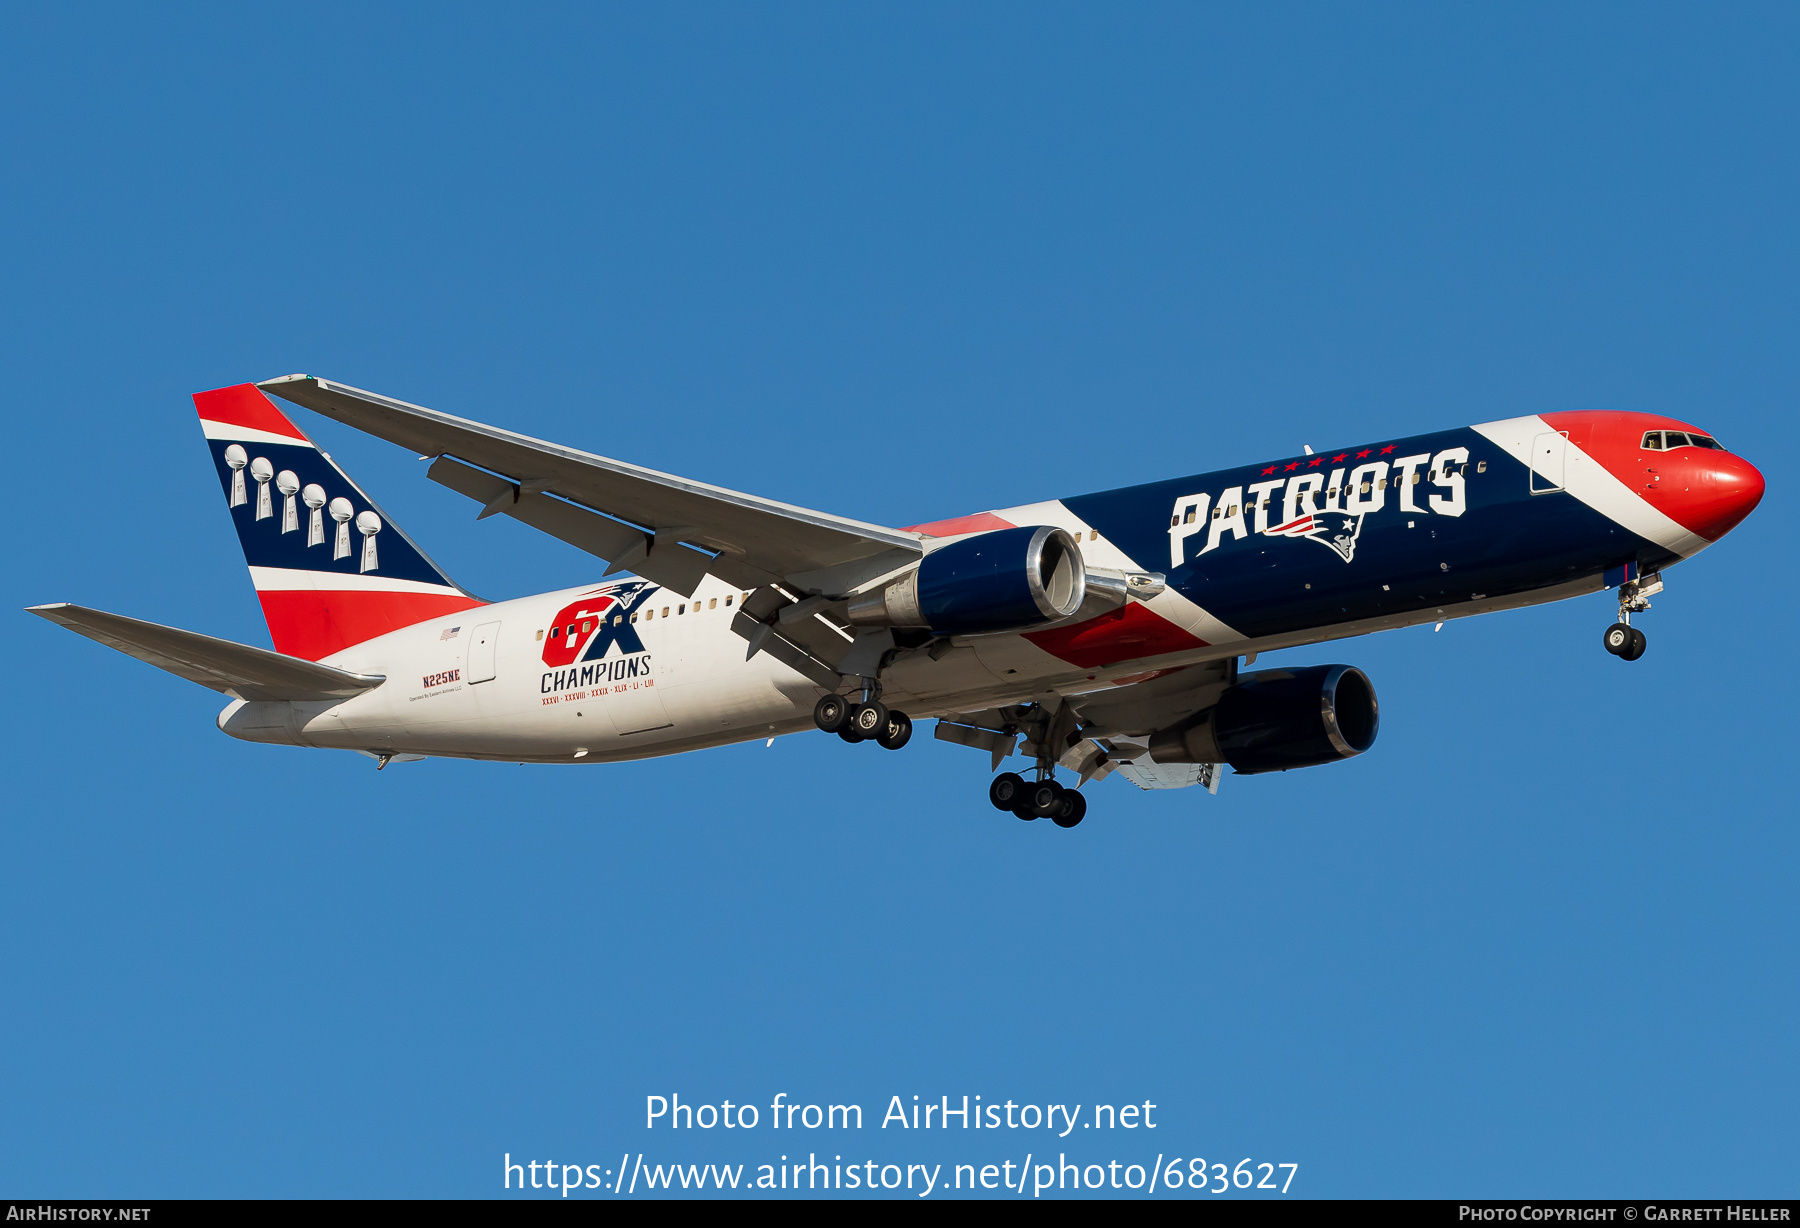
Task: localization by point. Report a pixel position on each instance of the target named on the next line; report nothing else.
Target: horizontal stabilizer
(235, 669)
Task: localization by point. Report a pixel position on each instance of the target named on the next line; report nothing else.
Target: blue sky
(898, 263)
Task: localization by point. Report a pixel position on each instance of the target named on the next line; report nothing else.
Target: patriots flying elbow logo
(1338, 533)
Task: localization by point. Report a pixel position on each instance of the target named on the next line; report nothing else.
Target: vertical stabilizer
(330, 568)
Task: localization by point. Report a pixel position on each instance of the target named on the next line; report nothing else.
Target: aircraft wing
(631, 516)
(234, 669)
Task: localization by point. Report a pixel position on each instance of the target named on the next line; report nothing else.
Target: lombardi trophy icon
(368, 524)
(237, 458)
(262, 471)
(314, 498)
(287, 483)
(341, 510)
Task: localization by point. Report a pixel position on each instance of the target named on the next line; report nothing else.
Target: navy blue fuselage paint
(1506, 541)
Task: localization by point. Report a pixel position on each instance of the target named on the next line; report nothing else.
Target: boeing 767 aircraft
(1106, 630)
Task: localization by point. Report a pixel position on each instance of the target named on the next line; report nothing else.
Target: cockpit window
(1663, 441)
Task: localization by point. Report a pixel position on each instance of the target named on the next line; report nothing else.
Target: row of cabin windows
(1664, 441)
(587, 624)
(1331, 492)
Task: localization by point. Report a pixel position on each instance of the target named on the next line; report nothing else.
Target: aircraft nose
(1722, 489)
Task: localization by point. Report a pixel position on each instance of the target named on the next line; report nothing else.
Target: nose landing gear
(1622, 639)
(1625, 641)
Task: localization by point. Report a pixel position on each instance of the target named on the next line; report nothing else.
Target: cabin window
(665, 611)
(1093, 535)
(1480, 466)
(713, 604)
(634, 618)
(540, 633)
(728, 601)
(1192, 514)
(746, 596)
(587, 625)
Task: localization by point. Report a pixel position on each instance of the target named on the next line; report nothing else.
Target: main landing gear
(1044, 799)
(1622, 639)
(1046, 733)
(865, 720)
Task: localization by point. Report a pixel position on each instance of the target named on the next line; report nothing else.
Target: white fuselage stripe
(1593, 484)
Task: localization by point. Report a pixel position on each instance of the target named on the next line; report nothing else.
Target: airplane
(1112, 632)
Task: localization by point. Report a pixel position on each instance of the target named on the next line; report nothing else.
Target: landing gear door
(1549, 455)
(481, 652)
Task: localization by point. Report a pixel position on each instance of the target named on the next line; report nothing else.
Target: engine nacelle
(999, 581)
(1277, 719)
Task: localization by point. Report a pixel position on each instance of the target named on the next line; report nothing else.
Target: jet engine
(1277, 719)
(1000, 581)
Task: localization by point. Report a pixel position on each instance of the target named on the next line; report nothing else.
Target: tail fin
(330, 569)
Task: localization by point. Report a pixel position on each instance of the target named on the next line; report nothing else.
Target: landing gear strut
(1042, 798)
(1622, 639)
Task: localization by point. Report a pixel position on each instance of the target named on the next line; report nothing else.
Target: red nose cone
(1719, 490)
(1704, 490)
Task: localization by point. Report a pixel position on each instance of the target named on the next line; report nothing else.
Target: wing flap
(233, 669)
(1147, 775)
(775, 538)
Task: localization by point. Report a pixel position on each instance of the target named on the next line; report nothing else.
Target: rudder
(330, 568)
